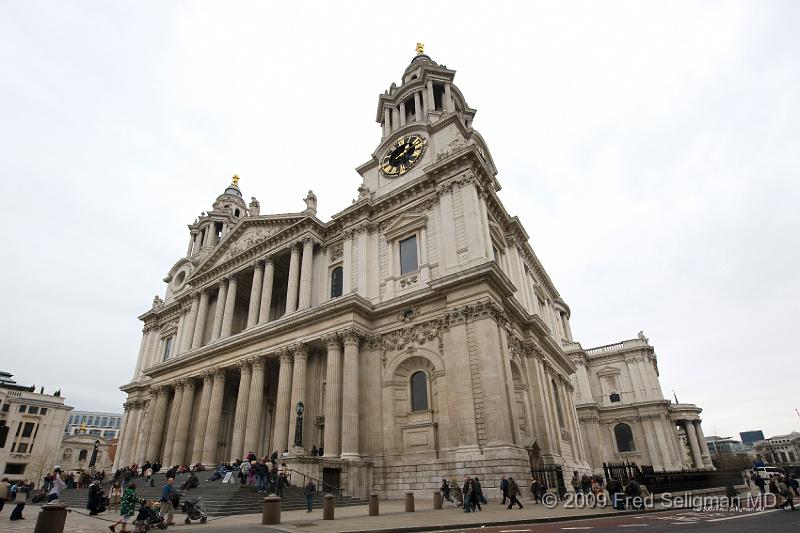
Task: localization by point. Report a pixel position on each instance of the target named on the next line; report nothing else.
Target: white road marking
(579, 527)
(513, 530)
(634, 525)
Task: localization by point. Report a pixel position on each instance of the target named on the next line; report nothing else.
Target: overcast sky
(652, 151)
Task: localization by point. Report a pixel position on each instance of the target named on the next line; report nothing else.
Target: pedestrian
(95, 503)
(633, 494)
(57, 485)
(576, 482)
(127, 507)
(479, 492)
(167, 509)
(308, 491)
(445, 490)
(261, 476)
(513, 491)
(466, 491)
(251, 472)
(759, 481)
(504, 488)
(148, 476)
(114, 495)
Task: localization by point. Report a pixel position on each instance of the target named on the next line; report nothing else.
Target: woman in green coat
(127, 507)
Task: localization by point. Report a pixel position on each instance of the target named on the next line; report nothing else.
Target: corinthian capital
(351, 336)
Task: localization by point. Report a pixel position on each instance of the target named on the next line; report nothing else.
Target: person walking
(467, 494)
(576, 482)
(127, 508)
(513, 491)
(5, 492)
(244, 468)
(114, 495)
(445, 490)
(57, 485)
(167, 509)
(504, 488)
(479, 499)
(148, 476)
(308, 491)
(95, 503)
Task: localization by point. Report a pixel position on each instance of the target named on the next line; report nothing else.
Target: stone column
(177, 344)
(157, 423)
(395, 118)
(387, 122)
(255, 402)
(182, 424)
(255, 294)
(202, 418)
(429, 94)
(169, 440)
(214, 413)
(230, 304)
(240, 417)
(189, 323)
(219, 311)
(350, 395)
(282, 403)
(704, 452)
(447, 104)
(200, 323)
(300, 354)
(417, 107)
(294, 279)
(333, 397)
(306, 274)
(266, 291)
(697, 458)
(402, 113)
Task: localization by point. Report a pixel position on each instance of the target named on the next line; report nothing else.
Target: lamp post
(93, 460)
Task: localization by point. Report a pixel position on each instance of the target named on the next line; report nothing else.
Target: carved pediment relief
(608, 371)
(404, 223)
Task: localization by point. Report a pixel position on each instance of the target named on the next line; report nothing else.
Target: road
(671, 521)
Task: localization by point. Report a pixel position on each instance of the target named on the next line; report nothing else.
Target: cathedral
(414, 336)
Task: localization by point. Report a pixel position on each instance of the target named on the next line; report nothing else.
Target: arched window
(559, 412)
(419, 391)
(337, 278)
(624, 436)
(82, 455)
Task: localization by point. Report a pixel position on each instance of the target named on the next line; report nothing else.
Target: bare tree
(42, 462)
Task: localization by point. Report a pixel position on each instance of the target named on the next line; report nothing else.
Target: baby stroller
(195, 510)
(148, 518)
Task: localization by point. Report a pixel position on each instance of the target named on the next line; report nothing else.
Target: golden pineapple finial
(235, 180)
(420, 48)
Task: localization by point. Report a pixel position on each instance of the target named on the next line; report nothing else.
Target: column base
(350, 457)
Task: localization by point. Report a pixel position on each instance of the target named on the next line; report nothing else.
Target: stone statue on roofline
(311, 203)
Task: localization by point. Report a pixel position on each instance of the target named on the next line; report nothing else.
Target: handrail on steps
(338, 491)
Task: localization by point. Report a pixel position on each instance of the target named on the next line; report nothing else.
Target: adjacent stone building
(31, 429)
(416, 332)
(75, 453)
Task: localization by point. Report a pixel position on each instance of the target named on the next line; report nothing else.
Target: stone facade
(75, 453)
(417, 327)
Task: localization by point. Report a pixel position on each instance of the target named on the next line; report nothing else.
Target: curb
(543, 520)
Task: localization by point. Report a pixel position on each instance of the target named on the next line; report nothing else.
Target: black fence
(553, 475)
(671, 481)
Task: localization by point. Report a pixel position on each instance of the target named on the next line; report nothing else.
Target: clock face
(402, 155)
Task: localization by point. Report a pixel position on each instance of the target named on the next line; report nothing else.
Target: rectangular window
(5, 407)
(83, 419)
(408, 255)
(15, 468)
(3, 433)
(28, 429)
(22, 448)
(33, 410)
(91, 421)
(43, 411)
(167, 347)
(23, 408)
(104, 422)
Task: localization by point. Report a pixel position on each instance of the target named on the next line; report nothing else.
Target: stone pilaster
(219, 311)
(306, 274)
(200, 323)
(333, 397)
(202, 418)
(255, 401)
(214, 413)
(240, 416)
(255, 294)
(350, 395)
(282, 404)
(266, 291)
(172, 422)
(230, 304)
(294, 279)
(182, 424)
(300, 354)
(160, 398)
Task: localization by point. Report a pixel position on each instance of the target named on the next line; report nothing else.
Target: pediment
(608, 371)
(404, 223)
(246, 235)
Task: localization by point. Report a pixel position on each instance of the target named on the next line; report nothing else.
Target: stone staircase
(219, 499)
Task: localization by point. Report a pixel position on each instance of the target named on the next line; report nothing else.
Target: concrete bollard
(51, 518)
(271, 510)
(437, 500)
(327, 507)
(374, 506)
(409, 502)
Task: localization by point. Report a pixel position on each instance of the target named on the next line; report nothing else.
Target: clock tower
(423, 120)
